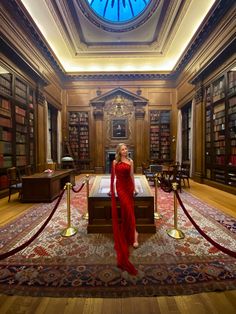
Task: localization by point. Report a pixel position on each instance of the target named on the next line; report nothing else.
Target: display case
(160, 135)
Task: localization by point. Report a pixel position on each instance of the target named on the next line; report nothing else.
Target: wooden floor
(216, 302)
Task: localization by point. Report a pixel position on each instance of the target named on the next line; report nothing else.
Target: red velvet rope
(77, 191)
(24, 245)
(217, 245)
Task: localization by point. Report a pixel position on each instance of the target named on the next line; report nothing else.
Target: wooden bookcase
(78, 126)
(160, 135)
(186, 131)
(17, 124)
(220, 129)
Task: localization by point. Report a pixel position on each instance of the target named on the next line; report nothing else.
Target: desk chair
(185, 172)
(15, 183)
(28, 170)
(172, 175)
(152, 171)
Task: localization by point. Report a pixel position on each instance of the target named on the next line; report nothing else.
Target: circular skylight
(118, 11)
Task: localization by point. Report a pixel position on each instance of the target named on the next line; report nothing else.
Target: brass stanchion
(157, 215)
(175, 232)
(69, 231)
(86, 216)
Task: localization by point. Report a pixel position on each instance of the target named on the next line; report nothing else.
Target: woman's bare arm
(132, 175)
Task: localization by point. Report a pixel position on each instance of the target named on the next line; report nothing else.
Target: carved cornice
(119, 77)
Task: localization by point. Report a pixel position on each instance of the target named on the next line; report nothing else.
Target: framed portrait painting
(119, 128)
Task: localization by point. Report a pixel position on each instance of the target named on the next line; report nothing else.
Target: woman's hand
(109, 193)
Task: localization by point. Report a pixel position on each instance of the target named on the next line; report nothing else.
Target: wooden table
(99, 206)
(45, 187)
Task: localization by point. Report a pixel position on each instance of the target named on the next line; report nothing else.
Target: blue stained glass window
(118, 11)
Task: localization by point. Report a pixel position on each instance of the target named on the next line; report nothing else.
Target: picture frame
(119, 128)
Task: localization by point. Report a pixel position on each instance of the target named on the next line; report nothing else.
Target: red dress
(124, 228)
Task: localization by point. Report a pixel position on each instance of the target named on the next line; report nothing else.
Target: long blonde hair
(118, 152)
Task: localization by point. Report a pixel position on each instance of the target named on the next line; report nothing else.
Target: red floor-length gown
(124, 228)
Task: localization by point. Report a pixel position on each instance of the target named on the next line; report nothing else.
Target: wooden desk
(99, 206)
(44, 187)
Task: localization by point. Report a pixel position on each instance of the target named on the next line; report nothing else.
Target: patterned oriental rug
(85, 264)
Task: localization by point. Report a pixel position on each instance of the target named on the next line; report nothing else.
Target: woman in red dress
(124, 226)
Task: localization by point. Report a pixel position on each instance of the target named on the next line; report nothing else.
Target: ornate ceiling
(157, 41)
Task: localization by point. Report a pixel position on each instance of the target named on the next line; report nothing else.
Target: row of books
(5, 122)
(20, 93)
(219, 128)
(20, 149)
(233, 143)
(5, 148)
(21, 161)
(21, 128)
(5, 104)
(220, 160)
(233, 160)
(231, 79)
(233, 150)
(220, 151)
(4, 90)
(5, 112)
(232, 134)
(219, 143)
(20, 138)
(20, 85)
(20, 119)
(218, 137)
(20, 111)
(21, 99)
(5, 85)
(5, 135)
(233, 117)
(5, 161)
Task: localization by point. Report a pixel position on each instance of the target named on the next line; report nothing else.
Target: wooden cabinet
(160, 135)
(220, 129)
(78, 125)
